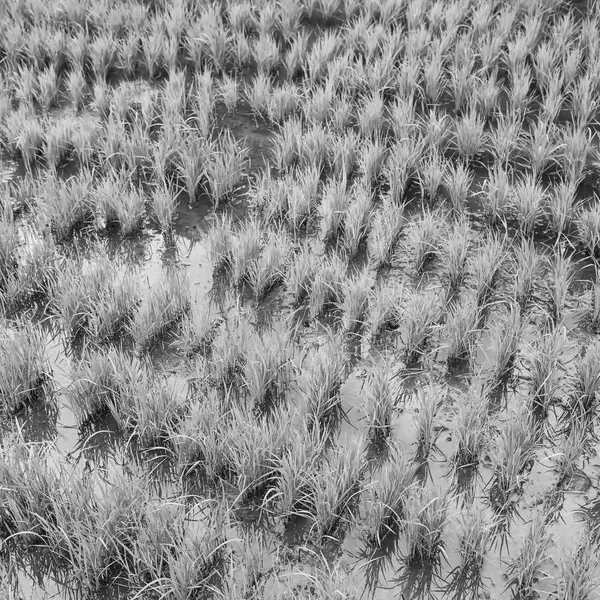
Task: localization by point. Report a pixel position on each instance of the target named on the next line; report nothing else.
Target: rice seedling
(513, 455)
(268, 269)
(570, 450)
(25, 373)
(101, 102)
(418, 319)
(561, 206)
(521, 81)
(219, 243)
(576, 149)
(268, 371)
(333, 209)
(245, 250)
(296, 53)
(300, 274)
(431, 176)
(541, 147)
(426, 521)
(30, 142)
(383, 309)
(558, 279)
(504, 344)
(322, 377)
(425, 240)
(578, 575)
(505, 139)
(458, 180)
(466, 580)
(67, 204)
(354, 306)
(529, 201)
(225, 169)
(587, 225)
(400, 168)
(191, 165)
(357, 220)
(9, 243)
(58, 146)
(163, 204)
(373, 166)
(486, 269)
(387, 503)
(47, 89)
(469, 136)
(102, 52)
(266, 54)
(320, 55)
(327, 285)
(335, 492)
(343, 155)
(527, 568)
(161, 310)
(586, 384)
(153, 43)
(461, 330)
(379, 404)
(455, 253)
(228, 92)
(544, 365)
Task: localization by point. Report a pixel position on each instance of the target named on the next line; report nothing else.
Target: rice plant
(387, 501)
(455, 253)
(425, 240)
(486, 269)
(268, 270)
(327, 286)
(586, 384)
(426, 553)
(120, 205)
(25, 372)
(322, 377)
(335, 490)
(245, 250)
(383, 309)
(357, 220)
(163, 203)
(162, 308)
(428, 400)
(380, 403)
(300, 274)
(333, 210)
(514, 453)
(527, 568)
(462, 329)
(504, 344)
(219, 242)
(579, 573)
(529, 200)
(527, 271)
(458, 180)
(386, 228)
(544, 363)
(587, 224)
(9, 244)
(225, 169)
(418, 318)
(354, 305)
(471, 434)
(559, 278)
(466, 580)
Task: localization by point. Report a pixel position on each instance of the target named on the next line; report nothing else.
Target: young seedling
(161, 310)
(466, 580)
(529, 201)
(379, 404)
(578, 576)
(300, 275)
(418, 320)
(354, 306)
(527, 568)
(504, 344)
(425, 240)
(327, 285)
(322, 378)
(586, 384)
(471, 434)
(246, 249)
(458, 180)
(528, 266)
(426, 548)
(386, 506)
(486, 269)
(455, 253)
(462, 328)
(383, 309)
(357, 220)
(386, 228)
(587, 225)
(333, 209)
(428, 400)
(557, 282)
(25, 372)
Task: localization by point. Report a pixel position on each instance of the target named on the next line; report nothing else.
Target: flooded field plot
(299, 299)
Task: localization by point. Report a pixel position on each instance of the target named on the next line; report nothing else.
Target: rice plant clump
(25, 372)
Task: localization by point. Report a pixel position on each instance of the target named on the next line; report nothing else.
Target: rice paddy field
(299, 299)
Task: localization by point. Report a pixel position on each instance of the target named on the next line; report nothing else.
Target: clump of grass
(322, 378)
(300, 275)
(327, 285)
(427, 520)
(588, 229)
(578, 575)
(379, 404)
(486, 268)
(9, 244)
(504, 345)
(245, 251)
(96, 298)
(268, 371)
(386, 228)
(514, 454)
(335, 489)
(428, 400)
(197, 331)
(354, 306)
(462, 328)
(225, 169)
(388, 497)
(425, 240)
(559, 278)
(497, 192)
(418, 318)
(527, 568)
(163, 204)
(529, 201)
(220, 244)
(528, 263)
(333, 209)
(268, 269)
(544, 365)
(458, 180)
(587, 382)
(466, 580)
(25, 372)
(357, 220)
(455, 252)
(165, 304)
(471, 438)
(383, 309)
